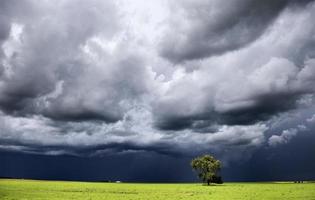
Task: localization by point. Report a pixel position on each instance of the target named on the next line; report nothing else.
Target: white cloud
(284, 138)
(311, 119)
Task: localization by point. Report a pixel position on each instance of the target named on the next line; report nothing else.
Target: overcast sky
(159, 81)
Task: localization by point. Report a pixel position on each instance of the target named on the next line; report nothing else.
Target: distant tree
(207, 168)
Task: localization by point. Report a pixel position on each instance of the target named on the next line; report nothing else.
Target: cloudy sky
(116, 83)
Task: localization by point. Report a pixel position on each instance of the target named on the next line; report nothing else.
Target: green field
(29, 189)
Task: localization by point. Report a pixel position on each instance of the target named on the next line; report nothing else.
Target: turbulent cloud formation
(96, 77)
(211, 27)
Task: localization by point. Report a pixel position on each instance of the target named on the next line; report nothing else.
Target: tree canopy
(208, 169)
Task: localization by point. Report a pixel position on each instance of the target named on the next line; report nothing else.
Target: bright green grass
(28, 189)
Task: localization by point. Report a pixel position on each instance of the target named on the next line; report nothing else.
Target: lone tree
(208, 169)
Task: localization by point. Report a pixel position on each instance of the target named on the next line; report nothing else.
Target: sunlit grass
(29, 189)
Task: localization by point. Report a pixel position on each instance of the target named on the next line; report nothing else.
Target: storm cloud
(213, 27)
(113, 77)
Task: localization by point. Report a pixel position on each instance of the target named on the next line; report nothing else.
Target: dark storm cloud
(213, 27)
(91, 78)
(265, 106)
(101, 168)
(266, 164)
(50, 53)
(98, 94)
(273, 87)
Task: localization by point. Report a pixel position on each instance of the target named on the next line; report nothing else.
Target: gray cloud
(270, 89)
(214, 27)
(42, 59)
(89, 78)
(86, 138)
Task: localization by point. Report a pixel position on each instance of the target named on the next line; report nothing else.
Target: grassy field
(29, 189)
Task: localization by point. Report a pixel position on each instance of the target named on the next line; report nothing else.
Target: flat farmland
(32, 189)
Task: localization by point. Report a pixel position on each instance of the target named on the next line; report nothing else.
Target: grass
(31, 189)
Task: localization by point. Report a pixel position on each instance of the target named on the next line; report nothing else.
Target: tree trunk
(208, 181)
